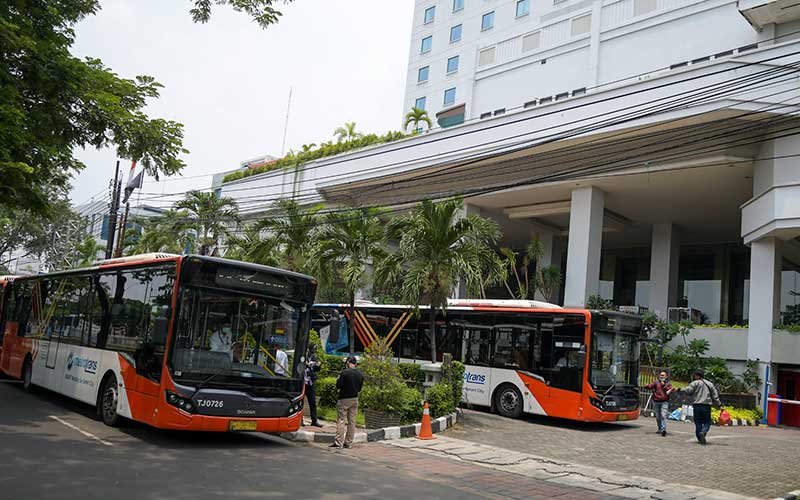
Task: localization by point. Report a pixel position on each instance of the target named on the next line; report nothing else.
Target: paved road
(42, 457)
(754, 461)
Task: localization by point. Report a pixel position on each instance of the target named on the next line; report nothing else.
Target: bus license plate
(242, 425)
(621, 418)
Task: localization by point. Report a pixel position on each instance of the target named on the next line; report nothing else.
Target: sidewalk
(547, 473)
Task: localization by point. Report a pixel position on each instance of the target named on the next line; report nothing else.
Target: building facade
(472, 59)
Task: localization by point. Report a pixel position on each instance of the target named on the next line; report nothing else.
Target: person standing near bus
(661, 388)
(703, 394)
(310, 376)
(349, 384)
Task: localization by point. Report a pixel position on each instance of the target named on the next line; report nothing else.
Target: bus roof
(463, 303)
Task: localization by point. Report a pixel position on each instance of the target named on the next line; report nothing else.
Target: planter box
(378, 419)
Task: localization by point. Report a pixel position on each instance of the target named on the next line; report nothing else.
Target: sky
(228, 80)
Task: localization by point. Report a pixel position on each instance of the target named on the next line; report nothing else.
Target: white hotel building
(652, 145)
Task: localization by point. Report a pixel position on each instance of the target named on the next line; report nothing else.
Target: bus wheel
(27, 376)
(107, 402)
(508, 401)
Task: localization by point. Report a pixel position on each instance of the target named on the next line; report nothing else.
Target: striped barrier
(780, 401)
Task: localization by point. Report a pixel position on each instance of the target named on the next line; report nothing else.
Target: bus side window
(22, 312)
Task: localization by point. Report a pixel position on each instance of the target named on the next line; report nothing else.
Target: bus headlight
(180, 402)
(597, 404)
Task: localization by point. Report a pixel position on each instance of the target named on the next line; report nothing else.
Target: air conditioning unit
(678, 314)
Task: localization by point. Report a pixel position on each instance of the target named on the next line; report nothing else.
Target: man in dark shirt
(349, 384)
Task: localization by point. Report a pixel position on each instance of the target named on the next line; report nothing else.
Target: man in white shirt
(281, 362)
(221, 339)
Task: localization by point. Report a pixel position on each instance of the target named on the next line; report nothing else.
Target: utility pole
(121, 239)
(112, 216)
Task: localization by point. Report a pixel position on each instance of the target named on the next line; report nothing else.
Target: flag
(134, 182)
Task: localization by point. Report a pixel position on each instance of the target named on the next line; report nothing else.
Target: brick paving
(754, 461)
(472, 480)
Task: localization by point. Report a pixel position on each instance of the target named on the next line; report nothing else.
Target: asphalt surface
(53, 447)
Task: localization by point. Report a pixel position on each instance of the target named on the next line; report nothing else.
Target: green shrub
(327, 392)
(327, 149)
(412, 406)
(440, 400)
(331, 365)
(313, 338)
(457, 378)
(598, 303)
(412, 374)
(383, 386)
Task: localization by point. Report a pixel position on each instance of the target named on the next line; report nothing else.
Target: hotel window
(581, 25)
(455, 33)
(487, 22)
(523, 8)
(430, 14)
(641, 7)
(531, 41)
(458, 5)
(449, 96)
(452, 64)
(422, 74)
(419, 103)
(427, 43)
(486, 57)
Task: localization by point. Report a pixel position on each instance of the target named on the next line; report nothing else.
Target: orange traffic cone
(425, 429)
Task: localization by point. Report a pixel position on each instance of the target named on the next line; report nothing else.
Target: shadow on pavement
(482, 417)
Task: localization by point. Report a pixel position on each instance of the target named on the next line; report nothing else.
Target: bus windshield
(225, 336)
(615, 359)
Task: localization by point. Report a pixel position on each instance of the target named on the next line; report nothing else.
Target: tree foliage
(52, 103)
(210, 216)
(347, 132)
(292, 227)
(254, 246)
(415, 117)
(347, 243)
(168, 232)
(262, 11)
(437, 246)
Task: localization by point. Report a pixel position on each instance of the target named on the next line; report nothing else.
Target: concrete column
(664, 255)
(583, 248)
(547, 239)
(765, 296)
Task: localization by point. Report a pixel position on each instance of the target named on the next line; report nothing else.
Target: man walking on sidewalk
(702, 395)
(349, 384)
(661, 390)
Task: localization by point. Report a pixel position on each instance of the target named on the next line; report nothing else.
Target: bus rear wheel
(27, 376)
(108, 400)
(508, 401)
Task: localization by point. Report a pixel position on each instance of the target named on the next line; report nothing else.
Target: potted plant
(382, 395)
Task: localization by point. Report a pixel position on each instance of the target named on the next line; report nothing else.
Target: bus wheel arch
(108, 399)
(507, 400)
(27, 374)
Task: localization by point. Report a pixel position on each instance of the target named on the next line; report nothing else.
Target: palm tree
(293, 231)
(436, 247)
(253, 246)
(545, 278)
(349, 241)
(169, 232)
(306, 148)
(347, 132)
(86, 252)
(210, 217)
(417, 116)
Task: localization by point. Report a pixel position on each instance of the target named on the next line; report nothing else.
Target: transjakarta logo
(474, 378)
(88, 365)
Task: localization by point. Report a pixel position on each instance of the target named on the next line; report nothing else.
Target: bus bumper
(174, 419)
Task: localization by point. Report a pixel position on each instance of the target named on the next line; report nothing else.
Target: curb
(371, 435)
(795, 495)
(735, 422)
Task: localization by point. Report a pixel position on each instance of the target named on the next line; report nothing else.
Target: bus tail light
(180, 402)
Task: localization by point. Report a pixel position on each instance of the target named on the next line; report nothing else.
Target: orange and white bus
(176, 342)
(519, 356)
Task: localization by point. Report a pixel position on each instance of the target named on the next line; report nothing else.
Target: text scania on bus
(177, 342)
(520, 356)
